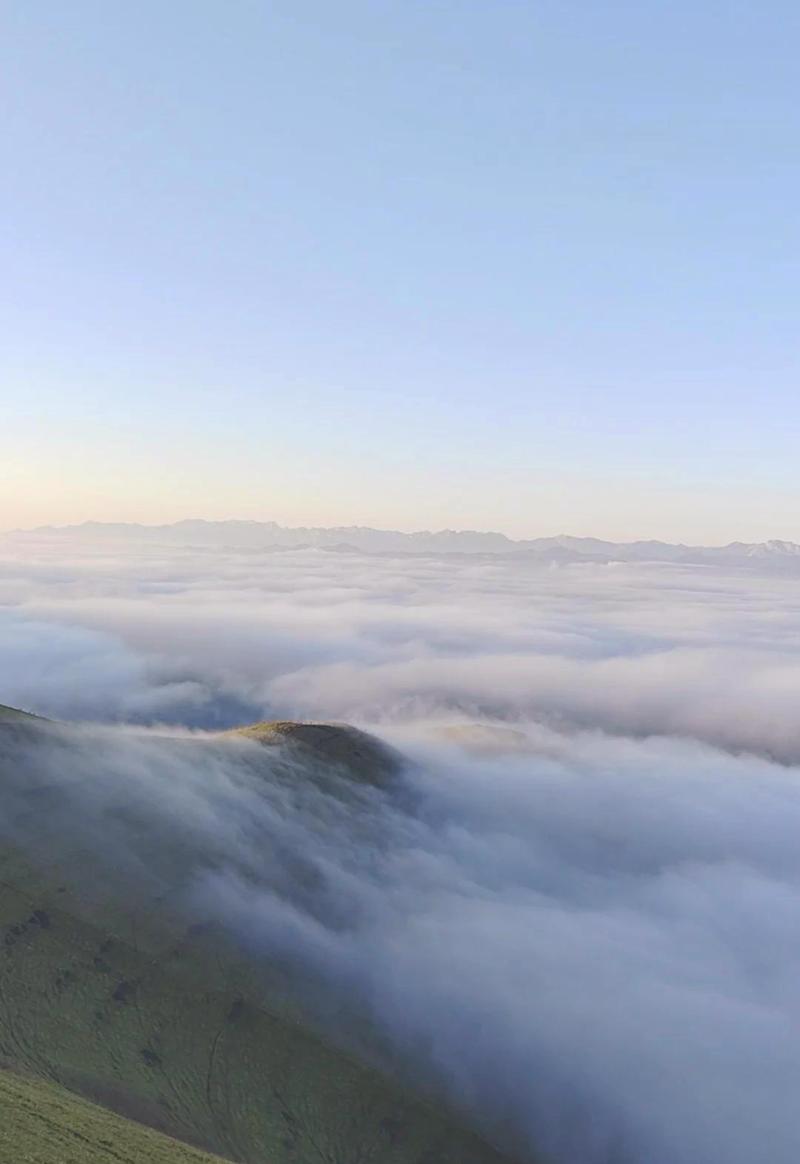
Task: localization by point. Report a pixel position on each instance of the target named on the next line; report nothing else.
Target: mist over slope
(580, 920)
(134, 966)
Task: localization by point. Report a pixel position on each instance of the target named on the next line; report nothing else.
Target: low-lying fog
(589, 927)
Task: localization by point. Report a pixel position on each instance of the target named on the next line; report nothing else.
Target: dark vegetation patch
(236, 1010)
(124, 991)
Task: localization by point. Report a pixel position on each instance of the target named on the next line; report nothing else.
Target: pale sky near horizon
(528, 266)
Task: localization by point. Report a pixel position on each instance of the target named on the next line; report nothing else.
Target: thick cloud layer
(587, 929)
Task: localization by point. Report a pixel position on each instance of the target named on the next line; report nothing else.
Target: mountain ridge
(240, 533)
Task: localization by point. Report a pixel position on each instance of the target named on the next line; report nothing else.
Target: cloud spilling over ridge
(598, 946)
(595, 950)
(585, 932)
(589, 944)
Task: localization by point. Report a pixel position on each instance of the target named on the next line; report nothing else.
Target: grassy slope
(41, 1123)
(13, 715)
(174, 1034)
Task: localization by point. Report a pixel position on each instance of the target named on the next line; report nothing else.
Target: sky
(527, 266)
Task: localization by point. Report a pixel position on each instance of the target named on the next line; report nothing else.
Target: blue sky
(526, 266)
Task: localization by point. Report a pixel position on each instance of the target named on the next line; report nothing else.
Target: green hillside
(42, 1123)
(112, 991)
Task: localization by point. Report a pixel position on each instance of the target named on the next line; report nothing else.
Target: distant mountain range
(362, 539)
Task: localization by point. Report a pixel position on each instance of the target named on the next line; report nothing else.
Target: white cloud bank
(588, 932)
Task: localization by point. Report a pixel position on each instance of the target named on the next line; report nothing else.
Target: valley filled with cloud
(579, 920)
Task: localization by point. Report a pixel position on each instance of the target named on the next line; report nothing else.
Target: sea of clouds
(588, 928)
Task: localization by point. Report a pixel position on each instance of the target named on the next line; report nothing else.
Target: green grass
(42, 1123)
(13, 715)
(109, 995)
